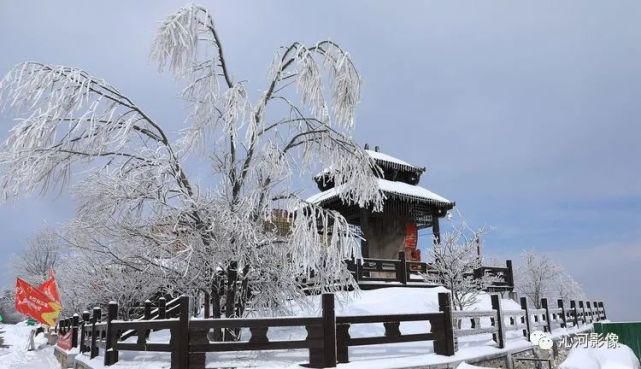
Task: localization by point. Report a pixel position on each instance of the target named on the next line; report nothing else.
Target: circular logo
(546, 343)
(535, 337)
(541, 339)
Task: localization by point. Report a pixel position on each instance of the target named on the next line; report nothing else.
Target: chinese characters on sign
(591, 340)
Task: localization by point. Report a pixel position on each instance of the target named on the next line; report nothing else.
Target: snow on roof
(383, 159)
(392, 161)
(389, 158)
(402, 188)
(388, 187)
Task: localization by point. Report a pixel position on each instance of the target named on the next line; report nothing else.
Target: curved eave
(398, 166)
(335, 198)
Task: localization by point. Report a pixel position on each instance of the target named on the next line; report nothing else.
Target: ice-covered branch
(68, 117)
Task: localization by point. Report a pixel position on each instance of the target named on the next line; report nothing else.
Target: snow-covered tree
(537, 276)
(41, 255)
(138, 205)
(455, 258)
(87, 280)
(568, 288)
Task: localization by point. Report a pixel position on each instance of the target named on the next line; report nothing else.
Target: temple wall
(385, 235)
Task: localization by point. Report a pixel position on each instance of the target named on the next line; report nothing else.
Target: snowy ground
(16, 355)
(601, 358)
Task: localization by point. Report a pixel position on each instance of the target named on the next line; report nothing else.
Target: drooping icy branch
(67, 116)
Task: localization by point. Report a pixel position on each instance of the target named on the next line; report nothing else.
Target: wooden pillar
(342, 339)
(95, 318)
(206, 305)
(324, 355)
(401, 272)
(147, 316)
(544, 305)
(444, 345)
(509, 278)
(499, 336)
(575, 313)
(564, 322)
(364, 220)
(111, 354)
(358, 269)
(179, 337)
(329, 330)
(85, 320)
(436, 229)
(75, 320)
(162, 308)
(525, 308)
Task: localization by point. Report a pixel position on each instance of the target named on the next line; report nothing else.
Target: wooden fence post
(401, 272)
(509, 278)
(329, 330)
(179, 337)
(162, 308)
(603, 310)
(444, 345)
(564, 321)
(499, 336)
(206, 305)
(358, 268)
(575, 315)
(198, 336)
(147, 316)
(526, 331)
(324, 356)
(583, 315)
(75, 320)
(342, 337)
(85, 320)
(95, 318)
(111, 354)
(544, 305)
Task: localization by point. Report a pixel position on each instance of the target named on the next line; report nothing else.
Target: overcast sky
(525, 113)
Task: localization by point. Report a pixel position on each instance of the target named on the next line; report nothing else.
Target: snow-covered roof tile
(402, 188)
(389, 188)
(392, 161)
(382, 159)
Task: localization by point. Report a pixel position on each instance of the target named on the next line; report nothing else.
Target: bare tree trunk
(244, 292)
(230, 299)
(215, 307)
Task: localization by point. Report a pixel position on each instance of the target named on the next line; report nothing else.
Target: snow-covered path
(16, 355)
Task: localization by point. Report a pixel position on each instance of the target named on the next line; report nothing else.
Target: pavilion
(407, 208)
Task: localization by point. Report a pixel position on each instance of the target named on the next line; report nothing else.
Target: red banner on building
(36, 304)
(411, 235)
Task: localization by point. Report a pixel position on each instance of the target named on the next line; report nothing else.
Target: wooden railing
(328, 337)
(441, 331)
(399, 272)
(496, 328)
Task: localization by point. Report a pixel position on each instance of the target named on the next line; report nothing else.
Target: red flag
(35, 304)
(50, 289)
